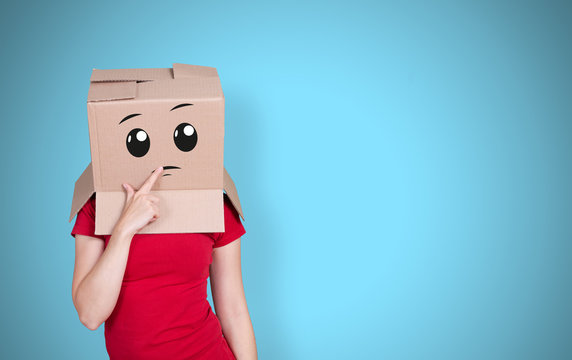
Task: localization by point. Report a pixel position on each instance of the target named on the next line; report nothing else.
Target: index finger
(148, 184)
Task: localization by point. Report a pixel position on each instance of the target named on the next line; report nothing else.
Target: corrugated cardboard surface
(181, 211)
(201, 168)
(112, 91)
(131, 74)
(84, 189)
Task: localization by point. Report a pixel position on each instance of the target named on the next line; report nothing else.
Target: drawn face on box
(131, 138)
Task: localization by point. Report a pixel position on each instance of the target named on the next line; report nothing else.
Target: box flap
(199, 88)
(98, 75)
(119, 90)
(82, 191)
(230, 190)
(193, 71)
(179, 71)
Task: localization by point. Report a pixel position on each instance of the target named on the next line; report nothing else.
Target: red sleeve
(85, 220)
(233, 228)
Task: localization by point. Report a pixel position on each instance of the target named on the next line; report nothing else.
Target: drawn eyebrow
(180, 106)
(133, 115)
(129, 117)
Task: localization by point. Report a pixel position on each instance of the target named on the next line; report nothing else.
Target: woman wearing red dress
(150, 289)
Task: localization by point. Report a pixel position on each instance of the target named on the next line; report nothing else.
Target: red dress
(162, 311)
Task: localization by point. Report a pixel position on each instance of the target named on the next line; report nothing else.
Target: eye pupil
(185, 137)
(138, 142)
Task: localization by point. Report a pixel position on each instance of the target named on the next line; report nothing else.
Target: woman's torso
(162, 311)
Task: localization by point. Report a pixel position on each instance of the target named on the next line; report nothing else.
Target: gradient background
(405, 169)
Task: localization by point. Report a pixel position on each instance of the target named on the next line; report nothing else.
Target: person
(150, 289)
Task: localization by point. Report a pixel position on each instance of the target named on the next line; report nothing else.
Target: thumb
(130, 191)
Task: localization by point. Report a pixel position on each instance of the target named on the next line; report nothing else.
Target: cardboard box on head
(140, 119)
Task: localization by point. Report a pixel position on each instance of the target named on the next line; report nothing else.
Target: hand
(141, 207)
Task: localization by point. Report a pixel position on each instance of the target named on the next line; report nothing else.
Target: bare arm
(230, 302)
(97, 277)
(99, 270)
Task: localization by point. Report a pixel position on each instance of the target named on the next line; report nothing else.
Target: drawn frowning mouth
(167, 167)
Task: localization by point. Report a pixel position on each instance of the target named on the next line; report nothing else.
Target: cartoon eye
(138, 142)
(185, 137)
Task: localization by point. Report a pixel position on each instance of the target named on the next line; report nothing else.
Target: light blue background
(404, 169)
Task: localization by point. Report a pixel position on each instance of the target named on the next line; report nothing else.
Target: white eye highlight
(141, 135)
(188, 130)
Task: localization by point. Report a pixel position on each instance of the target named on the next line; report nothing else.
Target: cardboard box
(140, 119)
